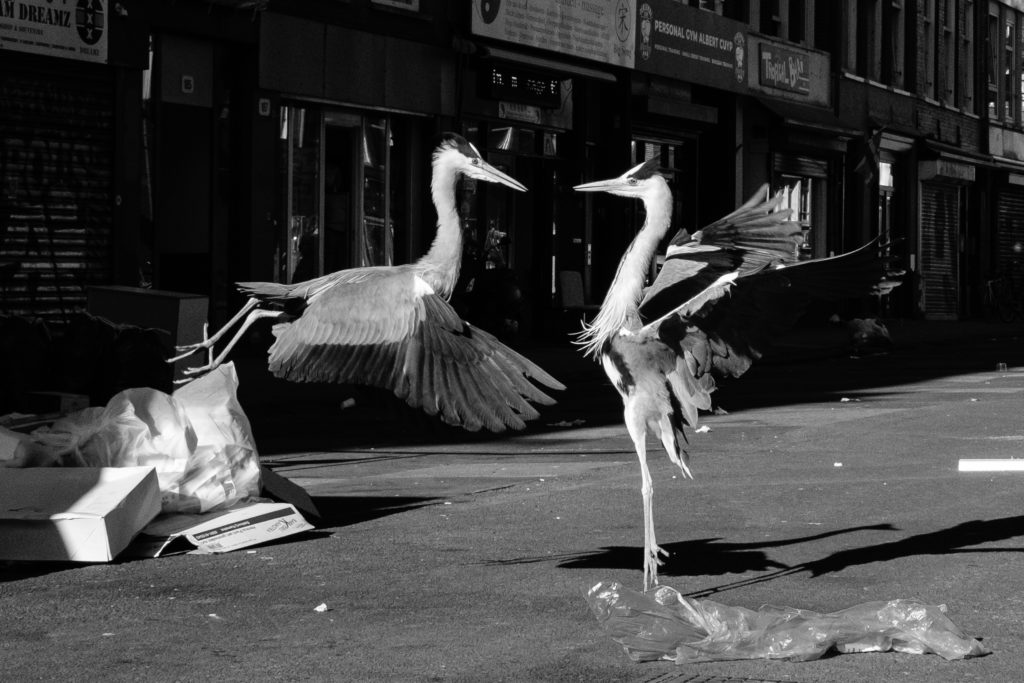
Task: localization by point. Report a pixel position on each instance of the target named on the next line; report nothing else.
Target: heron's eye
(475, 161)
(632, 181)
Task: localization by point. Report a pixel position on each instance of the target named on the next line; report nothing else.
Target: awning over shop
(254, 5)
(559, 67)
(809, 117)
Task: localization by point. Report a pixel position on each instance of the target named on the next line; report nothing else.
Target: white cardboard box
(241, 526)
(74, 514)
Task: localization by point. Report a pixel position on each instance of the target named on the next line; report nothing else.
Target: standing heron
(392, 326)
(721, 295)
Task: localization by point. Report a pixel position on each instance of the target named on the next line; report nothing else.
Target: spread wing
(720, 333)
(751, 238)
(387, 328)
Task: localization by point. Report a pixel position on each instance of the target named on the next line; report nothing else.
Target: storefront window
(342, 189)
(301, 129)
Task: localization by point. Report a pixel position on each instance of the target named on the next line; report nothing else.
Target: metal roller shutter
(1010, 233)
(940, 216)
(800, 165)
(56, 164)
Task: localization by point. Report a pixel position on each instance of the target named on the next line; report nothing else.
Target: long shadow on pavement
(697, 557)
(958, 539)
(338, 511)
(710, 557)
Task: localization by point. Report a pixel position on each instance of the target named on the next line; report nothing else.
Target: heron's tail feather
(266, 290)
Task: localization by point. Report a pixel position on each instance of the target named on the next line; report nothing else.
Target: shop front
(795, 142)
(63, 200)
(535, 105)
(351, 148)
(945, 239)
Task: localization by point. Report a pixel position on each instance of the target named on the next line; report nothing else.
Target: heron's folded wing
(755, 236)
(392, 331)
(726, 329)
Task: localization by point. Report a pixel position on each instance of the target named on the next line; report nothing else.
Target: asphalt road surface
(825, 481)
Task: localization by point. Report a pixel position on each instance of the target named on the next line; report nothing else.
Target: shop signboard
(73, 29)
(690, 44)
(783, 68)
(789, 72)
(599, 30)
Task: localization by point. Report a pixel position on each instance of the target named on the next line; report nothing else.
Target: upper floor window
(965, 70)
(893, 29)
(796, 24)
(737, 9)
(771, 18)
(1009, 67)
(947, 63)
(926, 86)
(1004, 68)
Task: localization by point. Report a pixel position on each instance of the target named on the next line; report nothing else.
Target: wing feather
(748, 240)
(390, 330)
(727, 333)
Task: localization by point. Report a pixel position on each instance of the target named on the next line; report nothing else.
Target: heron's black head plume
(649, 168)
(458, 143)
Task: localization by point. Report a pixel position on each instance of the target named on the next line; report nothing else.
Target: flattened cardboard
(74, 514)
(279, 488)
(243, 525)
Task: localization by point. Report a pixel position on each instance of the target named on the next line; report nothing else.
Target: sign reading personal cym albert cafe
(74, 29)
(600, 30)
(690, 44)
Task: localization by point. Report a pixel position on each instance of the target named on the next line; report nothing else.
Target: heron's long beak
(610, 185)
(484, 171)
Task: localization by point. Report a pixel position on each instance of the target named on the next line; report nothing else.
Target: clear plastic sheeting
(662, 624)
(198, 439)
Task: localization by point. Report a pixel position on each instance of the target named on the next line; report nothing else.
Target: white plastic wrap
(198, 439)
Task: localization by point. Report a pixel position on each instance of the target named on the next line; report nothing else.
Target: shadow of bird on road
(696, 557)
(958, 539)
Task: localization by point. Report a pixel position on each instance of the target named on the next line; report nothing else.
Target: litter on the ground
(197, 447)
(703, 429)
(198, 439)
(74, 514)
(664, 625)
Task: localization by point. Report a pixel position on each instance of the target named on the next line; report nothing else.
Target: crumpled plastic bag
(662, 624)
(198, 439)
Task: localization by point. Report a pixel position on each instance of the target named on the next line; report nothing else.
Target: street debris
(664, 625)
(66, 492)
(703, 429)
(74, 514)
(868, 335)
(322, 607)
(568, 423)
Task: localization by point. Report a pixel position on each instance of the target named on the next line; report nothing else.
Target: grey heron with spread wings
(720, 297)
(392, 326)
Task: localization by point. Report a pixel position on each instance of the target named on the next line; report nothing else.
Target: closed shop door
(56, 163)
(1009, 258)
(941, 211)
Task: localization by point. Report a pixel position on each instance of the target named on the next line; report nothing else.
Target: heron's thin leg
(208, 342)
(249, 320)
(638, 433)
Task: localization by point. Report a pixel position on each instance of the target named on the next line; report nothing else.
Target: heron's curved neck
(440, 266)
(620, 309)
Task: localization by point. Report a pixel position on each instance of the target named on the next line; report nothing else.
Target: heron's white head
(641, 181)
(458, 155)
